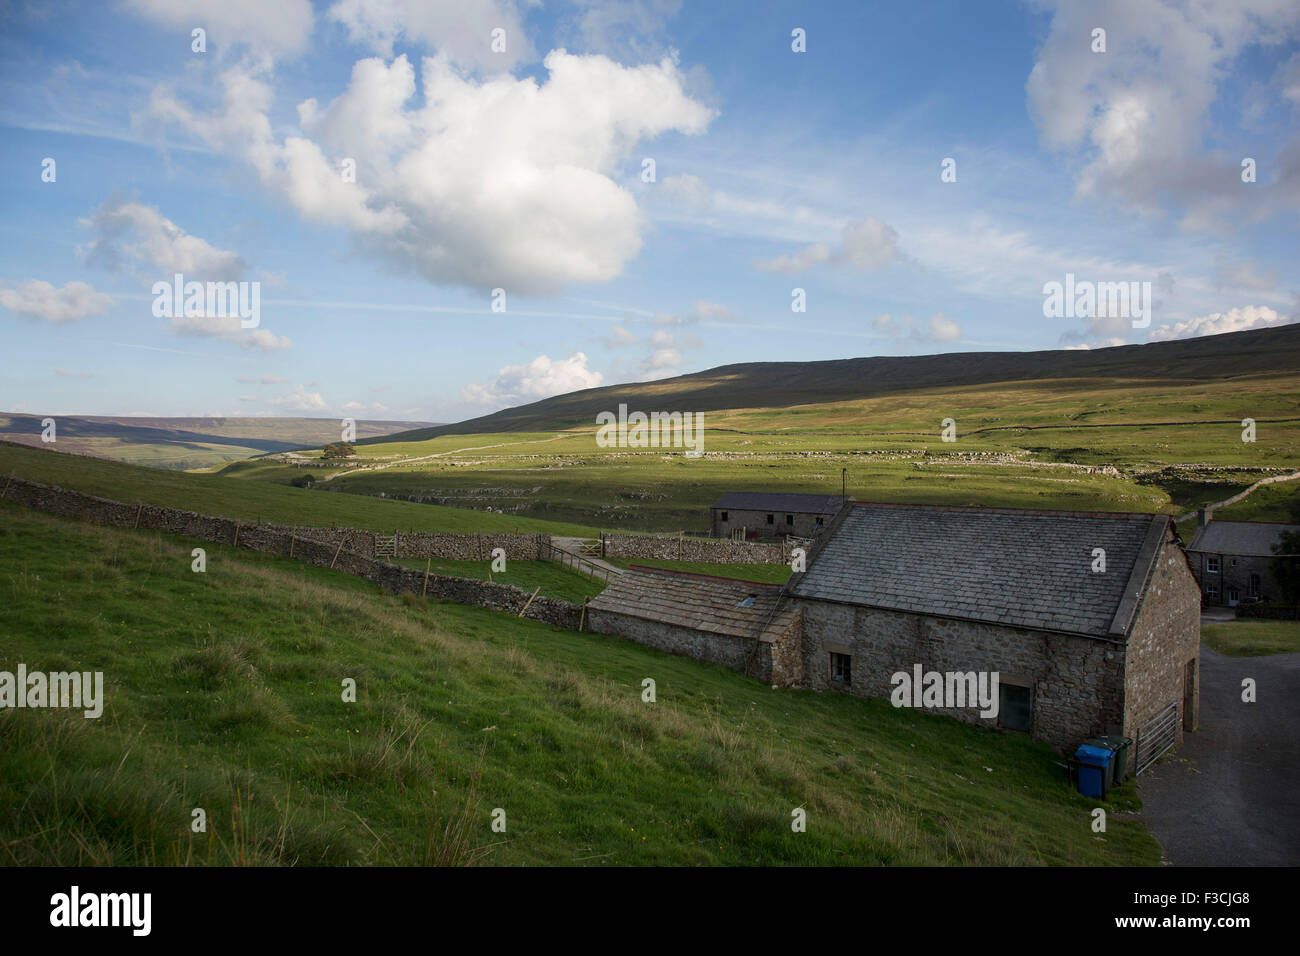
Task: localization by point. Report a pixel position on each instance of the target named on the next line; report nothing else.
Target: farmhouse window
(1252, 586)
(789, 519)
(1212, 565)
(1015, 707)
(1212, 591)
(770, 519)
(841, 668)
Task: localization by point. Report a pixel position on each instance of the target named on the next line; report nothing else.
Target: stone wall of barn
(773, 661)
(1077, 683)
(802, 524)
(1164, 645)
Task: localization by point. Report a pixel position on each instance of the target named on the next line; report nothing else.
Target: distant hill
(185, 442)
(783, 384)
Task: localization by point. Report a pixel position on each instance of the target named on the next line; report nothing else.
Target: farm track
(442, 454)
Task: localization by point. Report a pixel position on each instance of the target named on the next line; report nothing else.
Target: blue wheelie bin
(1094, 770)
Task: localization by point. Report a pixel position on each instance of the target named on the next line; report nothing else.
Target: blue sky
(523, 169)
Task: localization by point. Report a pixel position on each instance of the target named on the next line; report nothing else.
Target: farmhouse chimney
(1203, 516)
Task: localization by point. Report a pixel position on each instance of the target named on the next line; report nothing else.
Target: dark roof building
(779, 501)
(1234, 560)
(1019, 568)
(756, 515)
(1090, 622)
(1247, 538)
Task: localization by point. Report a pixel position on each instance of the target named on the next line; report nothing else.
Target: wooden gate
(1156, 736)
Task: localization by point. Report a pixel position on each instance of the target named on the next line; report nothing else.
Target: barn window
(771, 519)
(841, 668)
(724, 516)
(1212, 565)
(1252, 587)
(821, 520)
(1015, 707)
(789, 519)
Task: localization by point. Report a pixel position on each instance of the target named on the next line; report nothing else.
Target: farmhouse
(757, 515)
(1090, 621)
(1233, 560)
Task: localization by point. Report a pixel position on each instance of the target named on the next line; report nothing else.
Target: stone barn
(739, 624)
(1091, 620)
(1233, 560)
(764, 515)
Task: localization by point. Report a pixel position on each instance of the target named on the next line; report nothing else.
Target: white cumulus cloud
(1234, 320)
(500, 182)
(36, 299)
(540, 378)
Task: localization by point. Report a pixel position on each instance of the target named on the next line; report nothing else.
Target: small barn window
(771, 519)
(821, 520)
(724, 516)
(1212, 565)
(1015, 707)
(789, 519)
(841, 668)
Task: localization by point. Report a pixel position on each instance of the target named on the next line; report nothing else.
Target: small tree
(1286, 567)
(339, 449)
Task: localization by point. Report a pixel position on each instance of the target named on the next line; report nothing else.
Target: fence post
(427, 564)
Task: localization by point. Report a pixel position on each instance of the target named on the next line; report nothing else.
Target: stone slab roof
(1027, 569)
(779, 501)
(696, 601)
(1253, 538)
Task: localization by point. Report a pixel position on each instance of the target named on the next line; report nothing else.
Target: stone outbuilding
(764, 515)
(739, 624)
(1233, 560)
(1091, 620)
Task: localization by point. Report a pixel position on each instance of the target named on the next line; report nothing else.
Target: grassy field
(1158, 445)
(1252, 638)
(1279, 502)
(223, 693)
(555, 581)
(253, 500)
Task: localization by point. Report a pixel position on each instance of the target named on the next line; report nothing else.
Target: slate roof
(1017, 568)
(779, 501)
(697, 601)
(1254, 538)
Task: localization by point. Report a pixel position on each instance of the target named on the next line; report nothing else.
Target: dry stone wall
(335, 551)
(704, 550)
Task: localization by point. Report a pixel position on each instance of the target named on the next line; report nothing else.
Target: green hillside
(223, 693)
(1173, 365)
(253, 500)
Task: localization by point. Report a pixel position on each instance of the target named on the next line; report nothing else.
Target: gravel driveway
(1230, 794)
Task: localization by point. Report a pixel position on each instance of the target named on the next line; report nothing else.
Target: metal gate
(386, 547)
(1156, 736)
